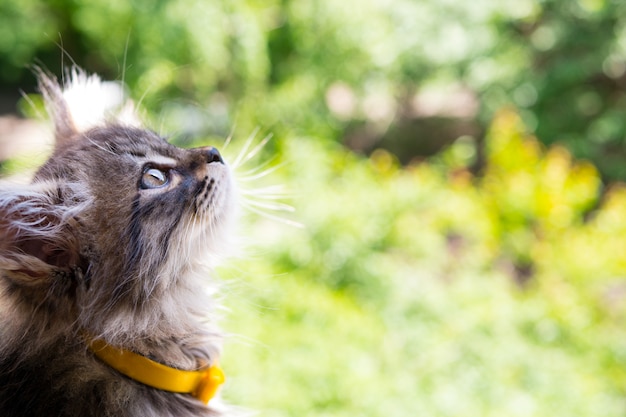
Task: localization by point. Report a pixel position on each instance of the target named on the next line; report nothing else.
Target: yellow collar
(201, 384)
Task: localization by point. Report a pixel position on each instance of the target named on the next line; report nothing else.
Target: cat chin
(212, 231)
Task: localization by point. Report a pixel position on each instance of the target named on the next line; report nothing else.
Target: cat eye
(154, 178)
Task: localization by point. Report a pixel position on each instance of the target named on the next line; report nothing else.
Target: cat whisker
(143, 96)
(261, 174)
(260, 196)
(261, 200)
(121, 99)
(229, 138)
(244, 150)
(271, 206)
(275, 190)
(256, 149)
(32, 105)
(97, 145)
(256, 169)
(273, 217)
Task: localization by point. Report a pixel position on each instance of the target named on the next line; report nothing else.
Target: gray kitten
(102, 251)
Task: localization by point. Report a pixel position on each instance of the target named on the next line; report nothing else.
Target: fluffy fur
(96, 244)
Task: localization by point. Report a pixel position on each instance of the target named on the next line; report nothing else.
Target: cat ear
(57, 107)
(84, 102)
(36, 235)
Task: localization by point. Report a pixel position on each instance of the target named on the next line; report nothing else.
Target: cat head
(117, 220)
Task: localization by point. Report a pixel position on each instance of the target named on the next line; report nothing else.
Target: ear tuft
(84, 102)
(64, 127)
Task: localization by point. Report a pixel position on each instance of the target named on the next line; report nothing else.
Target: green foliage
(281, 63)
(404, 293)
(19, 38)
(576, 66)
(419, 290)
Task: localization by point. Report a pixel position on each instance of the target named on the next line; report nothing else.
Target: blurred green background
(456, 168)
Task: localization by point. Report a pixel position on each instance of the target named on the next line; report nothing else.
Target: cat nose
(212, 154)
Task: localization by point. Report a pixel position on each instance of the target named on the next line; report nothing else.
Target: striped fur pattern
(114, 237)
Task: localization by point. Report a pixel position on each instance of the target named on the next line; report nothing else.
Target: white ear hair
(92, 102)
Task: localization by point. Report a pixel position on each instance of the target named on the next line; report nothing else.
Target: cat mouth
(213, 193)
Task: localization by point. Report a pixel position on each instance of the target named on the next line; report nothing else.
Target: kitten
(101, 255)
